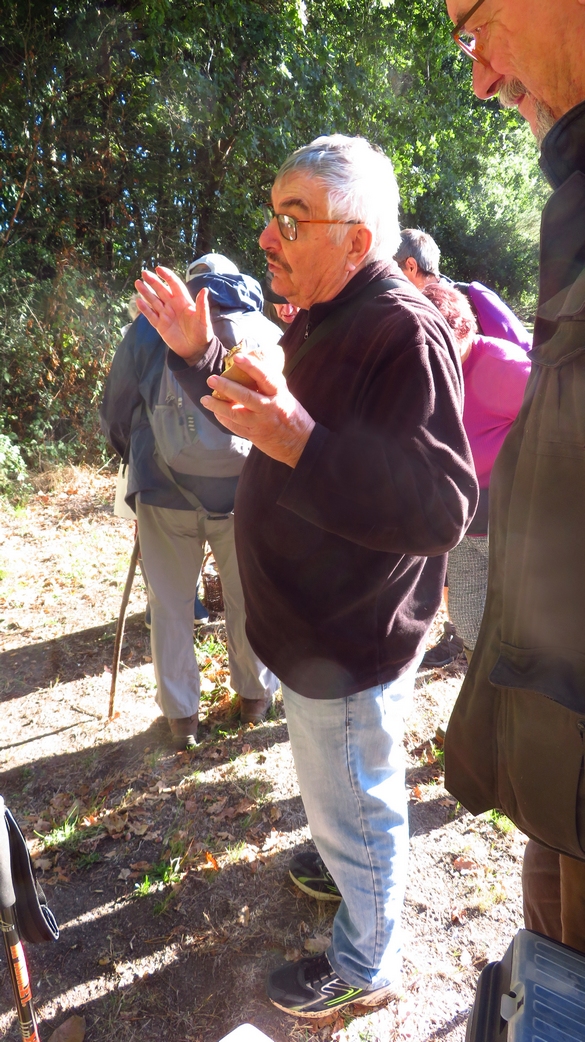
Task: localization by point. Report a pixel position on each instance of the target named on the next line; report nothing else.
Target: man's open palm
(183, 323)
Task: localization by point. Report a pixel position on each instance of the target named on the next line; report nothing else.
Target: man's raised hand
(183, 323)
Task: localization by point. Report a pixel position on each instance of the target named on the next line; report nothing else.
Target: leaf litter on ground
(218, 823)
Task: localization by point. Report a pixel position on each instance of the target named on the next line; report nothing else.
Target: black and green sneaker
(309, 872)
(311, 988)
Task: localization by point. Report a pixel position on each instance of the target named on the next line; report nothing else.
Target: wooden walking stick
(121, 621)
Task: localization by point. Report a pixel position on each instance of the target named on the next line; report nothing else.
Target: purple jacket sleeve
(496, 318)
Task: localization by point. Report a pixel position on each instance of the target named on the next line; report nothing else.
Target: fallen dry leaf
(465, 864)
(115, 822)
(191, 806)
(458, 916)
(71, 1030)
(216, 808)
(245, 806)
(318, 944)
(42, 826)
(229, 812)
(139, 830)
(141, 866)
(124, 873)
(337, 1028)
(43, 864)
(272, 840)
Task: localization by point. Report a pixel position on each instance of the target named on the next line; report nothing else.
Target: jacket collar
(563, 149)
(374, 270)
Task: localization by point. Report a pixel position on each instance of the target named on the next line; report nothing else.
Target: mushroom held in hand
(233, 372)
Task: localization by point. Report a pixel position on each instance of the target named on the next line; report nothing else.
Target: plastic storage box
(535, 994)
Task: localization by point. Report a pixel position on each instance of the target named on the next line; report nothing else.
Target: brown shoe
(254, 710)
(184, 731)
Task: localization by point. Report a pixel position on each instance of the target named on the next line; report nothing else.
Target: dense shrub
(58, 337)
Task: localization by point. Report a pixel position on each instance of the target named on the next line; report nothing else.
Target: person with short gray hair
(360, 187)
(418, 256)
(359, 481)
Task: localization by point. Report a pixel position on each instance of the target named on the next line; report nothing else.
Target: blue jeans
(349, 762)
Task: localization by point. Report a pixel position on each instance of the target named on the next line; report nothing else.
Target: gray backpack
(187, 441)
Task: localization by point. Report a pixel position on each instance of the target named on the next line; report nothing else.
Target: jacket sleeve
(399, 477)
(122, 394)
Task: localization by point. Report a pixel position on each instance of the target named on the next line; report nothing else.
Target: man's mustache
(275, 259)
(510, 93)
(509, 96)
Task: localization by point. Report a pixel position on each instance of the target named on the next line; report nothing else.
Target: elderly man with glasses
(359, 482)
(516, 737)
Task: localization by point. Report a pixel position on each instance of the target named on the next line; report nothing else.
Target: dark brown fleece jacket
(343, 558)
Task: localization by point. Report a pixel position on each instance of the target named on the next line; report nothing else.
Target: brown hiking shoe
(254, 710)
(184, 731)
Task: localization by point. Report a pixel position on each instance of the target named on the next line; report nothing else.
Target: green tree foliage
(147, 132)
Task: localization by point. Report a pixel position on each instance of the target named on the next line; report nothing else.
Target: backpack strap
(36, 922)
(163, 465)
(373, 289)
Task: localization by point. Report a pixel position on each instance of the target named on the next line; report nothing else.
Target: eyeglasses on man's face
(288, 226)
(466, 41)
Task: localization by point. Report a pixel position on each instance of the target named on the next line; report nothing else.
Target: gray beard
(544, 121)
(544, 117)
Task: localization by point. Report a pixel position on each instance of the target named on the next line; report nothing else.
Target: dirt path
(168, 872)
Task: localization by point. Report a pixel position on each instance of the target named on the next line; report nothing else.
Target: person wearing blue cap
(182, 479)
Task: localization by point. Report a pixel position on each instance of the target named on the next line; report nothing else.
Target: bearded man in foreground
(515, 740)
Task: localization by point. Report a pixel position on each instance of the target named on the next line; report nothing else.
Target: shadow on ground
(71, 657)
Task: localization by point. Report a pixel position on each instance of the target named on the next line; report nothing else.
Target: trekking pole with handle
(17, 966)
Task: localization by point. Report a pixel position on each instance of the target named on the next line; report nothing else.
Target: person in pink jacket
(494, 376)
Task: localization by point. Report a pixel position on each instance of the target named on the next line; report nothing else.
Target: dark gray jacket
(135, 378)
(516, 737)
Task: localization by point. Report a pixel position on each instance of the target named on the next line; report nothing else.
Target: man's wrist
(299, 447)
(197, 355)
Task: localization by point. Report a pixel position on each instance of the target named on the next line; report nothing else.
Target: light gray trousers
(172, 545)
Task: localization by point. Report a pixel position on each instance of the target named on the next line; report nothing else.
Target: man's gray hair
(422, 248)
(360, 184)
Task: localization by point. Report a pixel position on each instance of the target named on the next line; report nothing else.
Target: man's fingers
(236, 392)
(146, 310)
(150, 299)
(230, 414)
(172, 280)
(203, 313)
(156, 285)
(265, 381)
